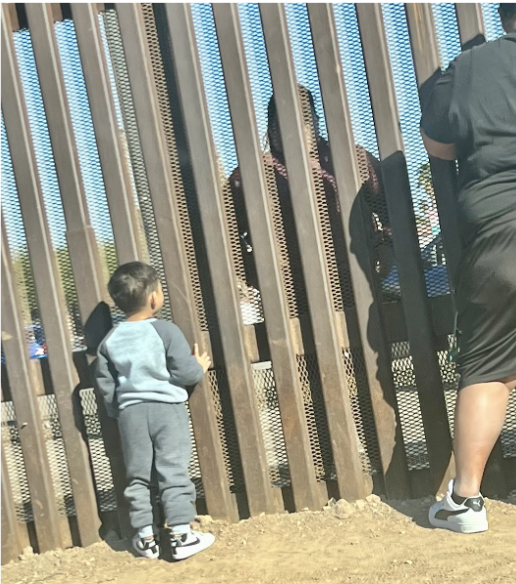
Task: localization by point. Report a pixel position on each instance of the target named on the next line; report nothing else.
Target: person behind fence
(471, 116)
(144, 369)
(322, 168)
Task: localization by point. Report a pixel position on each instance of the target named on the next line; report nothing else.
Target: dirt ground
(367, 542)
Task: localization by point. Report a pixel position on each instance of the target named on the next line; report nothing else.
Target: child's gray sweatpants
(157, 432)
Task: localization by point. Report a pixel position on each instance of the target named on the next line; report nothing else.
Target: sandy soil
(367, 542)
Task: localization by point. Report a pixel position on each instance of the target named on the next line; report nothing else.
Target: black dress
(473, 106)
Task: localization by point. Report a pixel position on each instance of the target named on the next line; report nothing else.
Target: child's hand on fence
(204, 360)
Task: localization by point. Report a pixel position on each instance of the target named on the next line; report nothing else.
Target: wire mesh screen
(364, 132)
(15, 230)
(447, 29)
(48, 181)
(220, 121)
(275, 172)
(425, 207)
(408, 404)
(100, 462)
(56, 455)
(320, 156)
(87, 152)
(509, 430)
(15, 464)
(163, 70)
(362, 409)
(121, 88)
(492, 23)
(226, 423)
(270, 420)
(316, 419)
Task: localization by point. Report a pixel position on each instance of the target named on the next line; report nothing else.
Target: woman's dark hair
(131, 284)
(507, 10)
(273, 130)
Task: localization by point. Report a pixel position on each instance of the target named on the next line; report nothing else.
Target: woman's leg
(479, 418)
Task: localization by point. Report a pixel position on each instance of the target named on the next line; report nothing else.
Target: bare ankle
(466, 489)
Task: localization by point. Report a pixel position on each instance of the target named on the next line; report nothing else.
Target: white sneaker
(190, 544)
(468, 517)
(147, 548)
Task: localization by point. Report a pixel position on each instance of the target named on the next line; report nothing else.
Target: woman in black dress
(471, 117)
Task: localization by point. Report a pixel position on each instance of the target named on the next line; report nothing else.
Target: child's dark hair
(131, 284)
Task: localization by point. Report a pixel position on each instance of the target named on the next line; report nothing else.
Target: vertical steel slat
(114, 165)
(365, 284)
(11, 537)
(161, 185)
(79, 233)
(13, 14)
(341, 424)
(28, 417)
(426, 62)
(406, 246)
(471, 23)
(304, 485)
(427, 65)
(50, 298)
(206, 175)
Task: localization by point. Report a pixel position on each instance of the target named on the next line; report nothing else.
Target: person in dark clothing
(328, 204)
(471, 117)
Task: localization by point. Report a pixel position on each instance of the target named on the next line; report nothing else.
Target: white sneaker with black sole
(189, 544)
(147, 548)
(470, 516)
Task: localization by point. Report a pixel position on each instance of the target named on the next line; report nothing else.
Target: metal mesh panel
(275, 172)
(220, 122)
(356, 377)
(121, 89)
(364, 132)
(492, 22)
(320, 156)
(226, 423)
(446, 26)
(409, 408)
(49, 183)
(179, 190)
(56, 457)
(315, 412)
(425, 208)
(509, 429)
(56, 454)
(194, 468)
(15, 464)
(87, 152)
(16, 238)
(270, 420)
(100, 462)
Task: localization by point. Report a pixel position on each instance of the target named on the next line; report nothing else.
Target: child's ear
(153, 300)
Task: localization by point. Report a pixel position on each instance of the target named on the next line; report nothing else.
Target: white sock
(146, 531)
(179, 530)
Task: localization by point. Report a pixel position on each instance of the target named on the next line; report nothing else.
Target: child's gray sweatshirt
(142, 361)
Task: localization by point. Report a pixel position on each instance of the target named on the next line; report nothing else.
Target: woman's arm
(438, 149)
(436, 128)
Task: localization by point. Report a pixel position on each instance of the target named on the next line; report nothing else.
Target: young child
(144, 367)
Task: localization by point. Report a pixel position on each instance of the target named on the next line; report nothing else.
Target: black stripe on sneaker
(179, 543)
(443, 514)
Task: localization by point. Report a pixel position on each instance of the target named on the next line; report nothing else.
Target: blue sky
(354, 74)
